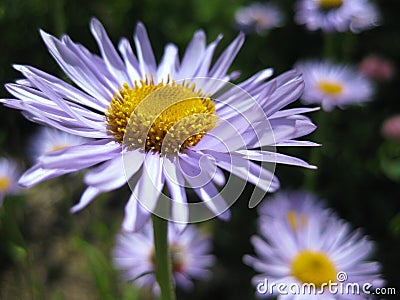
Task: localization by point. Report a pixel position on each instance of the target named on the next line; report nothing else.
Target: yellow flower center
(330, 88)
(164, 118)
(5, 184)
(313, 267)
(330, 4)
(295, 220)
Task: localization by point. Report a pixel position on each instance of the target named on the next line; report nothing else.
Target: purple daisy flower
(333, 85)
(190, 256)
(162, 123)
(336, 15)
(258, 17)
(48, 140)
(302, 244)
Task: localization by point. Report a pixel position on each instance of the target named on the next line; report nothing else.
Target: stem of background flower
(310, 180)
(329, 46)
(163, 258)
(348, 46)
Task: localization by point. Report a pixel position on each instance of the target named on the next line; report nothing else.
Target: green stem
(329, 46)
(310, 180)
(163, 258)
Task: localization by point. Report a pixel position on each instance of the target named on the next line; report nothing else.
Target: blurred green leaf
(389, 156)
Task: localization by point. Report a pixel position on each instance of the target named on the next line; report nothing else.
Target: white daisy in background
(103, 105)
(258, 17)
(333, 85)
(310, 246)
(335, 15)
(9, 174)
(190, 250)
(48, 140)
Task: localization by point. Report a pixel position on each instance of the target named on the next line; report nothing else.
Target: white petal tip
(74, 209)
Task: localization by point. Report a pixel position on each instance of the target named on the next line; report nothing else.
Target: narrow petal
(274, 157)
(168, 64)
(204, 187)
(131, 62)
(207, 58)
(144, 50)
(176, 186)
(223, 63)
(108, 52)
(116, 172)
(75, 69)
(81, 156)
(88, 195)
(193, 55)
(136, 215)
(37, 174)
(67, 90)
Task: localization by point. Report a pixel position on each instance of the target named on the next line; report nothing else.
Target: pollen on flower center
(330, 88)
(330, 4)
(313, 267)
(5, 184)
(164, 117)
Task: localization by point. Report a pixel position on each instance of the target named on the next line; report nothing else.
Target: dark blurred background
(46, 253)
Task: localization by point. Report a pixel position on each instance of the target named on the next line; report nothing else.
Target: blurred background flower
(391, 128)
(336, 15)
(365, 17)
(259, 17)
(9, 175)
(47, 140)
(313, 246)
(190, 257)
(377, 68)
(333, 85)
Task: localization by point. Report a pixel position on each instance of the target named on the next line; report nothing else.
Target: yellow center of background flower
(295, 220)
(143, 116)
(330, 88)
(177, 257)
(5, 184)
(313, 267)
(330, 4)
